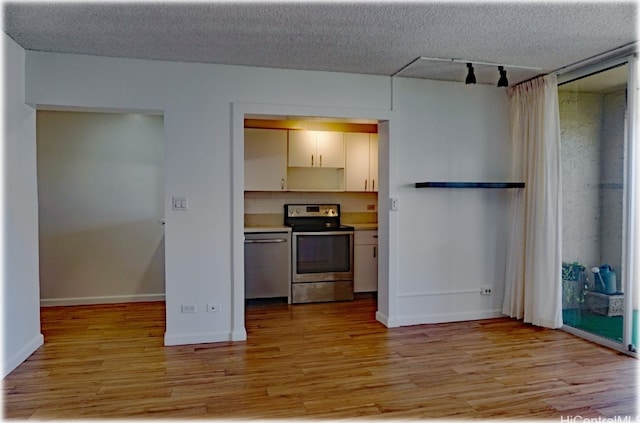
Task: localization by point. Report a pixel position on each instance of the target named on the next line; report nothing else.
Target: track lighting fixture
(471, 77)
(503, 81)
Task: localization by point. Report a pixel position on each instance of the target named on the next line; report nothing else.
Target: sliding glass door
(597, 207)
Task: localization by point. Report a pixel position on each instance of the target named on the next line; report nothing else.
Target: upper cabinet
(316, 149)
(305, 160)
(265, 159)
(361, 170)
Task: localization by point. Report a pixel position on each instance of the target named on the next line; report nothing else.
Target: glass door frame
(630, 198)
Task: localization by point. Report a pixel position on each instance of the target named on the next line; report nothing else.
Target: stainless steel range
(321, 253)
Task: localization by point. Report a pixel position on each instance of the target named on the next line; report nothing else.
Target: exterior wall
(612, 180)
(592, 131)
(580, 129)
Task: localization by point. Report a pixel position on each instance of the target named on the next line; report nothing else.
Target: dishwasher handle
(265, 241)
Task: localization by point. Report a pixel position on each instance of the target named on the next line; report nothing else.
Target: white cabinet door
(357, 168)
(330, 149)
(302, 149)
(373, 161)
(362, 162)
(316, 149)
(265, 159)
(365, 261)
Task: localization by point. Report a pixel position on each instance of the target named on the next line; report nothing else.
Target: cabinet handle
(312, 160)
(320, 160)
(375, 251)
(373, 185)
(282, 183)
(365, 184)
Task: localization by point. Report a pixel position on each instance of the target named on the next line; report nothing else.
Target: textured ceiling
(360, 37)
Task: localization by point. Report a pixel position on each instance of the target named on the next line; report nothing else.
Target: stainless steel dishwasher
(267, 265)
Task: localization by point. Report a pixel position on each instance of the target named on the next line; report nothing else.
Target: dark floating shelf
(469, 184)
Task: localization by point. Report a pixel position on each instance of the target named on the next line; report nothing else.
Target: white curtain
(533, 290)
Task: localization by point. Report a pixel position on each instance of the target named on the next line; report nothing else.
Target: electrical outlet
(213, 308)
(188, 308)
(486, 290)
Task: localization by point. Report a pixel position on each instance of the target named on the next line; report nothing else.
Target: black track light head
(471, 77)
(503, 81)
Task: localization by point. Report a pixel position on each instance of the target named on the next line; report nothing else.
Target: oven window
(323, 253)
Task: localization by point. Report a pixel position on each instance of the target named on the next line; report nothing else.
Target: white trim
(239, 335)
(576, 74)
(24, 353)
(438, 293)
(447, 317)
(197, 338)
(383, 318)
(630, 199)
(595, 64)
(105, 299)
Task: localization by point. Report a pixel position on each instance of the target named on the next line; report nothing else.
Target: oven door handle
(324, 233)
(265, 241)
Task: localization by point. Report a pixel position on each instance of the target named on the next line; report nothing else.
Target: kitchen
(310, 212)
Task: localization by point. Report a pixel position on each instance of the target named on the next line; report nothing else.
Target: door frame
(238, 113)
(630, 250)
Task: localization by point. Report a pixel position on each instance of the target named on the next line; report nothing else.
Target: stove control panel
(312, 210)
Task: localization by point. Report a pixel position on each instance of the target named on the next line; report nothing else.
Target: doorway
(597, 279)
(241, 111)
(101, 195)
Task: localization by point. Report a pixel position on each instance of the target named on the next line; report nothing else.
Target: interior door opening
(275, 174)
(101, 207)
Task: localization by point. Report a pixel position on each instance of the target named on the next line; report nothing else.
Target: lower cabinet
(365, 261)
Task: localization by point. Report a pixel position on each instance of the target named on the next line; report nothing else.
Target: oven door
(322, 256)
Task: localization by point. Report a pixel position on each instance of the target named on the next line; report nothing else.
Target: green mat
(607, 327)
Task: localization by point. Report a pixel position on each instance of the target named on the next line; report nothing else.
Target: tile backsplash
(356, 207)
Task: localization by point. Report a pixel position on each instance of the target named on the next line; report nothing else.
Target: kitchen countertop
(364, 226)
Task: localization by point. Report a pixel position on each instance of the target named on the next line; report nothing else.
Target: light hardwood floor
(314, 361)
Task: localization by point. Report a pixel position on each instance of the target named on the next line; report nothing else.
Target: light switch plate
(179, 203)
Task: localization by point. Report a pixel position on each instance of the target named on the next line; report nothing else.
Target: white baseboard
(197, 338)
(22, 355)
(239, 335)
(447, 317)
(105, 299)
(383, 318)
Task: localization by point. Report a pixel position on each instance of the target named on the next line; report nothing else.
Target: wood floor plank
(314, 361)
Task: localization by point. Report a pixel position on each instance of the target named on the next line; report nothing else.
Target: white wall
(21, 311)
(445, 240)
(101, 196)
(450, 241)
